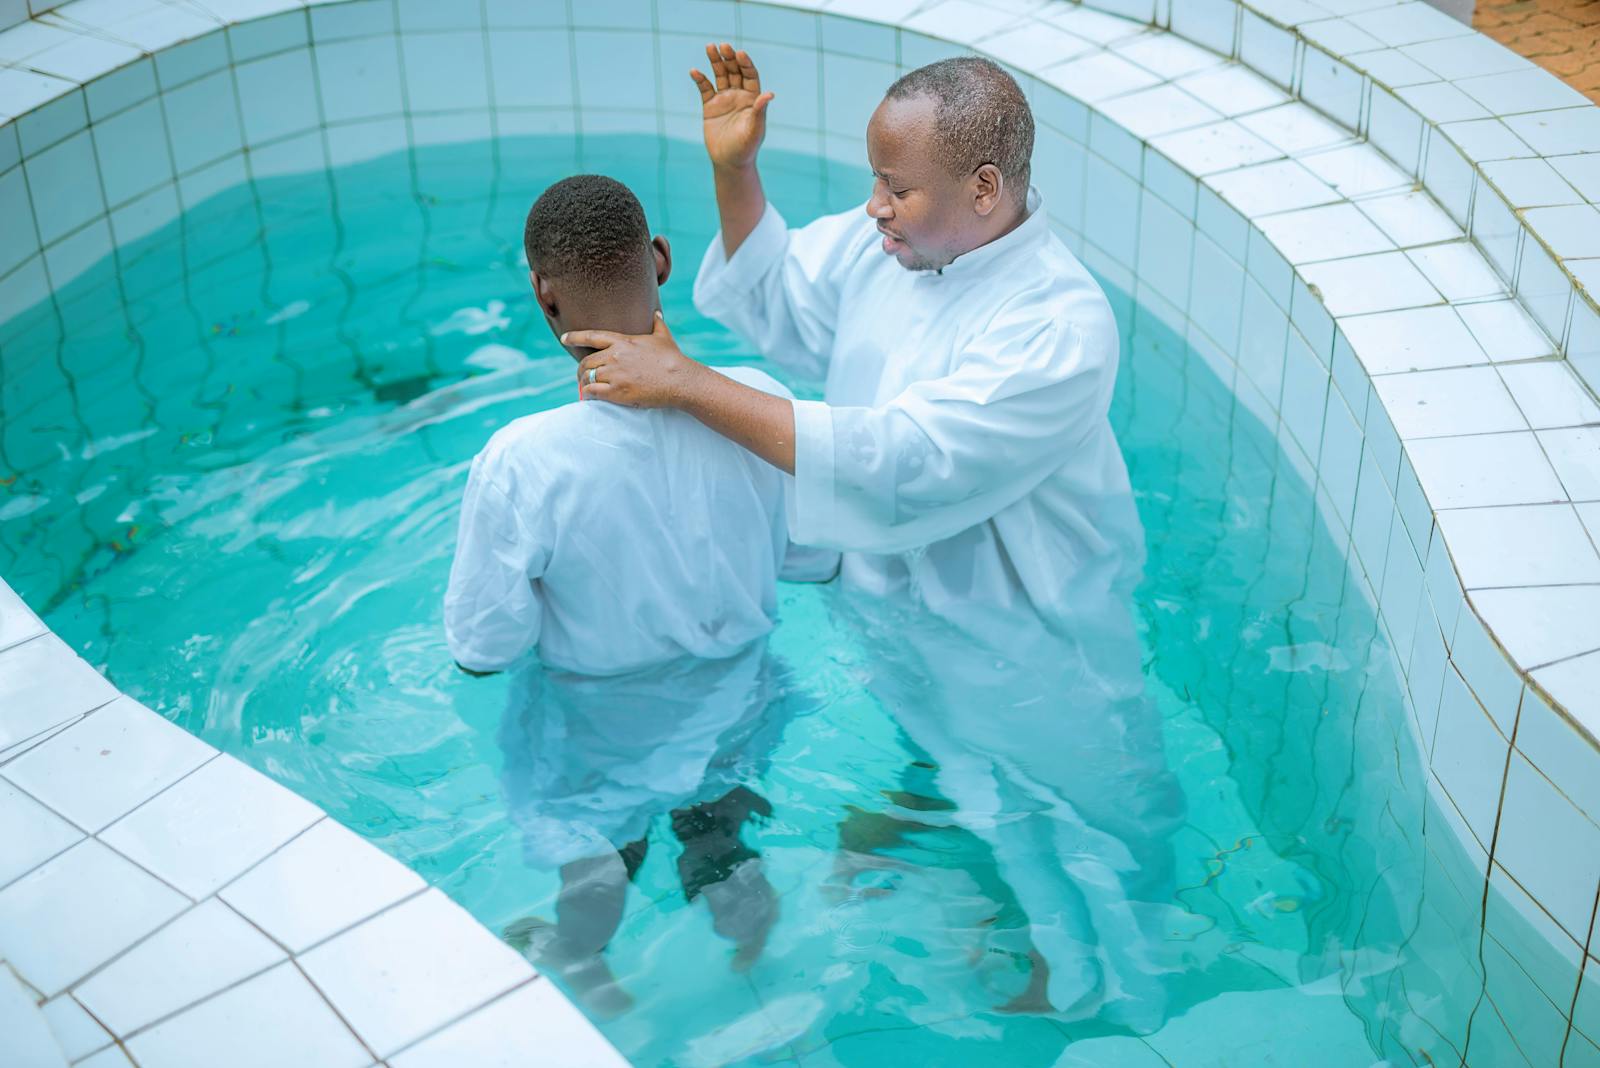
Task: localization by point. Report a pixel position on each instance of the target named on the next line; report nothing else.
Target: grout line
(536, 977)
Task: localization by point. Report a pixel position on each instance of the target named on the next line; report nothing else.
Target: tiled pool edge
(1486, 728)
(281, 926)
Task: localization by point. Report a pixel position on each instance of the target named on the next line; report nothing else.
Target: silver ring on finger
(592, 372)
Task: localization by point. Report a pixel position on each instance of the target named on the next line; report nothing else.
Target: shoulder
(529, 452)
(1061, 300)
(756, 379)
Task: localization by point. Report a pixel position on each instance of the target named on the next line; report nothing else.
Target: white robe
(963, 450)
(615, 539)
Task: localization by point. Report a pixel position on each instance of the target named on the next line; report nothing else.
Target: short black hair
(982, 116)
(588, 227)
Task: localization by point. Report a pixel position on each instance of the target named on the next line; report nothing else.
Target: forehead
(901, 137)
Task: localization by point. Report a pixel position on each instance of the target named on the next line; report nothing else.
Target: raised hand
(733, 107)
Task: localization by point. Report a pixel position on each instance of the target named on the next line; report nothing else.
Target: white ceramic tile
(65, 185)
(1539, 624)
(1557, 749)
(1268, 48)
(535, 1016)
(28, 1041)
(127, 165)
(1391, 67)
(23, 90)
(1168, 54)
(851, 89)
(30, 38)
(409, 970)
(1165, 243)
(1575, 453)
(1549, 847)
(32, 833)
(1545, 290)
(17, 621)
(1449, 176)
(110, 1057)
(1559, 133)
(247, 817)
(112, 760)
(1486, 139)
(76, 1031)
(1549, 394)
(1530, 183)
(360, 78)
(163, 26)
(1381, 282)
(1467, 400)
(1589, 516)
(1412, 339)
(1220, 146)
(84, 58)
(1209, 22)
(1465, 57)
(1163, 109)
(144, 215)
(1395, 128)
(1032, 46)
(1267, 188)
(1583, 171)
(1458, 271)
(1295, 129)
(78, 911)
(1496, 546)
(1572, 231)
(1332, 86)
(1469, 756)
(43, 684)
(77, 252)
(1098, 76)
(1410, 219)
(201, 952)
(1505, 331)
(957, 20)
(1085, 22)
(249, 1027)
(1479, 470)
(1233, 90)
(1333, 231)
(1441, 102)
(1356, 171)
(1216, 285)
(1575, 683)
(445, 71)
(320, 883)
(1339, 36)
(202, 121)
(1517, 91)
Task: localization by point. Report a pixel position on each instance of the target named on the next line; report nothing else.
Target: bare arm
(747, 416)
(734, 121)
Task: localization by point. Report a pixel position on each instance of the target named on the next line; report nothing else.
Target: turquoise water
(232, 459)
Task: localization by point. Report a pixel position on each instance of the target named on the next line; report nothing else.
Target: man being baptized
(611, 538)
(638, 552)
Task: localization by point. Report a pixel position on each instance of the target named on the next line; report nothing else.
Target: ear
(990, 186)
(544, 293)
(663, 254)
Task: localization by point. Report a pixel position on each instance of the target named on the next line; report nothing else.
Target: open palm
(733, 107)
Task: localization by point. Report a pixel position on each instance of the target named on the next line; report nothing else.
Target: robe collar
(1027, 234)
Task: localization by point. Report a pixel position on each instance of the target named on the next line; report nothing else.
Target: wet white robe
(614, 539)
(962, 450)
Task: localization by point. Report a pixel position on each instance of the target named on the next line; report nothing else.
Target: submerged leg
(717, 863)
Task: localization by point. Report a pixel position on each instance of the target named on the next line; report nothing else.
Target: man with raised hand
(962, 452)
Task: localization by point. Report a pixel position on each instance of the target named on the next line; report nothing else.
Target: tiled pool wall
(1371, 222)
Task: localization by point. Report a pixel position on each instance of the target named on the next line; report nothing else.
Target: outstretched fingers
(701, 82)
(747, 71)
(730, 62)
(719, 70)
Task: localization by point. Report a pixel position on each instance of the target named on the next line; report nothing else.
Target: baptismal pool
(232, 484)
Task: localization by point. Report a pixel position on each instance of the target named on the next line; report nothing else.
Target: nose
(878, 204)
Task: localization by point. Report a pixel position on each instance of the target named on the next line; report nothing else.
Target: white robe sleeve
(949, 453)
(492, 612)
(780, 290)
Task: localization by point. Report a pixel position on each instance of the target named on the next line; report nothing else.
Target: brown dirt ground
(1562, 36)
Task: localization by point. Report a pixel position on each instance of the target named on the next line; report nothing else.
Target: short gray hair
(982, 116)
